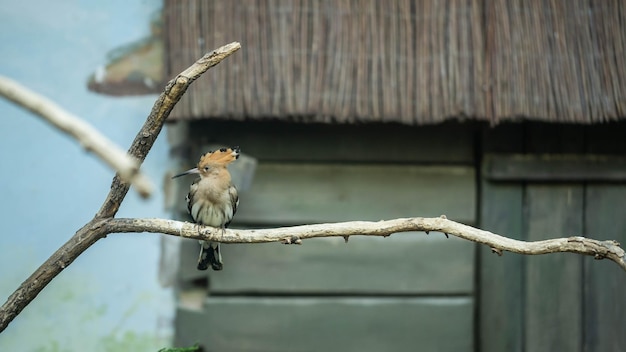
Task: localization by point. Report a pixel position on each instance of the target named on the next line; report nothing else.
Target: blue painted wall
(109, 298)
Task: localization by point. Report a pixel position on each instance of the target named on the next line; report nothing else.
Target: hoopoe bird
(212, 200)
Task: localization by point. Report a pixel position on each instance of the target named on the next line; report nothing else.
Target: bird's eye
(206, 168)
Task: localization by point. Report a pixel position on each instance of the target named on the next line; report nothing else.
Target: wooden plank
(328, 324)
(280, 141)
(500, 278)
(553, 282)
(605, 282)
(554, 167)
(501, 290)
(308, 193)
(412, 263)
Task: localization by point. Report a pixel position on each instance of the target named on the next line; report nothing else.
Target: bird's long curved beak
(190, 171)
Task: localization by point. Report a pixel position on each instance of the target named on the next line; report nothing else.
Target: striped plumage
(213, 200)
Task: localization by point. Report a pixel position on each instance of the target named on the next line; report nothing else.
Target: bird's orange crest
(222, 156)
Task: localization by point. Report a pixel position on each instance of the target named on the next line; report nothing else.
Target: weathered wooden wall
(415, 291)
(369, 294)
(560, 302)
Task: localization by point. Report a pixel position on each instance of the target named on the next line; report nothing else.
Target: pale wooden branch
(88, 137)
(96, 229)
(164, 104)
(295, 234)
(104, 222)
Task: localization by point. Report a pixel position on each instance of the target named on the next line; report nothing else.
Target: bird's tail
(210, 254)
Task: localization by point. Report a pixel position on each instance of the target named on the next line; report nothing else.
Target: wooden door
(555, 302)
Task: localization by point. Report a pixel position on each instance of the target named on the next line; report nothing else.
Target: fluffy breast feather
(210, 206)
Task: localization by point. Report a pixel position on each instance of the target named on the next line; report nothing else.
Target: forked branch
(104, 222)
(96, 229)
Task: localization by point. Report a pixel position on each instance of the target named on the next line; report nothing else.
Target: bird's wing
(190, 196)
(234, 201)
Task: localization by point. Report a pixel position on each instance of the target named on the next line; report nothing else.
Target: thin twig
(88, 137)
(96, 229)
(295, 234)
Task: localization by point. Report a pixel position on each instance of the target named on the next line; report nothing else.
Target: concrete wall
(109, 298)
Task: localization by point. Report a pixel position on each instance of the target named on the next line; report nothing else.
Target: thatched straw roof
(414, 62)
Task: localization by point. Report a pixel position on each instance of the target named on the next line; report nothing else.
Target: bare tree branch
(88, 137)
(160, 111)
(294, 235)
(104, 223)
(96, 229)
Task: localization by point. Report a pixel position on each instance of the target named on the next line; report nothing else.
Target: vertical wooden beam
(500, 284)
(604, 284)
(553, 284)
(553, 307)
(500, 314)
(605, 218)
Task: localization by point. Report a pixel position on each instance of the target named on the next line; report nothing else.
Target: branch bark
(88, 137)
(96, 229)
(294, 235)
(164, 104)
